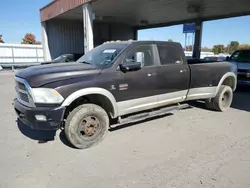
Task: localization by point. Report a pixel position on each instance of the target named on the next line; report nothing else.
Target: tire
(209, 104)
(86, 126)
(223, 99)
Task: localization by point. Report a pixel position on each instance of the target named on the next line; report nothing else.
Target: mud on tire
(86, 126)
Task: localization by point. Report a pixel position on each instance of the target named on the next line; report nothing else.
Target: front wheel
(86, 126)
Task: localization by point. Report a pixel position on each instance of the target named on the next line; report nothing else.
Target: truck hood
(242, 65)
(44, 74)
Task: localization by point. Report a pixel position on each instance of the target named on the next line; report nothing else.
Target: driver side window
(141, 54)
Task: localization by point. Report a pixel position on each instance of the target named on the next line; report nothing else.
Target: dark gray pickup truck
(116, 83)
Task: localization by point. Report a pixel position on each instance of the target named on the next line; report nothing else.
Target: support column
(197, 40)
(135, 34)
(88, 27)
(45, 43)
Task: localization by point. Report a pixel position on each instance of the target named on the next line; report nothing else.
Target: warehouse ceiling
(153, 13)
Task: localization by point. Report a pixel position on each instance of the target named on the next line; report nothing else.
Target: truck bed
(206, 74)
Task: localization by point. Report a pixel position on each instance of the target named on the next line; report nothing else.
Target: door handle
(184, 70)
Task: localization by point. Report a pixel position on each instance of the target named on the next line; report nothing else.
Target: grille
(22, 89)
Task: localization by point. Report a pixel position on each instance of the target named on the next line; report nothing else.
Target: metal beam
(164, 24)
(58, 7)
(135, 34)
(88, 27)
(197, 39)
(46, 51)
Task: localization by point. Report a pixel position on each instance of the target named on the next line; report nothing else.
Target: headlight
(46, 96)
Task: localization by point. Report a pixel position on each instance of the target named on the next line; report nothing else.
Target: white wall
(20, 53)
(203, 54)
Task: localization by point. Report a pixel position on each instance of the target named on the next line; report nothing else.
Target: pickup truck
(241, 58)
(117, 83)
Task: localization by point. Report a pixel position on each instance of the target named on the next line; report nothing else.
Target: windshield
(241, 56)
(60, 59)
(102, 55)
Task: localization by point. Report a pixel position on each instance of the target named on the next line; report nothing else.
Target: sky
(24, 17)
(214, 32)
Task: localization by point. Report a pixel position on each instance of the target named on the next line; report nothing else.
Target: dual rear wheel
(222, 101)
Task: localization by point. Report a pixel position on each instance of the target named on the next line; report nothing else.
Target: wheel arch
(90, 93)
(228, 79)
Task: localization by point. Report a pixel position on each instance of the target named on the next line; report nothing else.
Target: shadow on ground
(241, 100)
(64, 140)
(198, 104)
(40, 136)
(127, 125)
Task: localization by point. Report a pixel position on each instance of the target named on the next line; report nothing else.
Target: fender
(89, 91)
(224, 77)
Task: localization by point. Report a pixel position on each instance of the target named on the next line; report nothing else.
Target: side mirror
(130, 66)
(227, 58)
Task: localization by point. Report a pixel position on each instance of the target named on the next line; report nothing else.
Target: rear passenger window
(169, 54)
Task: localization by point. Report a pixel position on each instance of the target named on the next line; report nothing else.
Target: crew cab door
(138, 90)
(173, 74)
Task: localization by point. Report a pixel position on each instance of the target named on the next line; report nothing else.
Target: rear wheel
(223, 99)
(86, 126)
(209, 104)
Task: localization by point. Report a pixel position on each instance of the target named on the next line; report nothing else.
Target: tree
(29, 38)
(232, 46)
(170, 40)
(206, 49)
(219, 48)
(1, 39)
(189, 48)
(243, 46)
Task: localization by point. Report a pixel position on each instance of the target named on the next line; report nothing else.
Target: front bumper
(27, 115)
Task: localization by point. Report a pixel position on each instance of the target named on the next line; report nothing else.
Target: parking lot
(188, 148)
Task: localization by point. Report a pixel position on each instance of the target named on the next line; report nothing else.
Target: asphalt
(187, 149)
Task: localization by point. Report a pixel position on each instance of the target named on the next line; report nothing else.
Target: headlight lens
(46, 96)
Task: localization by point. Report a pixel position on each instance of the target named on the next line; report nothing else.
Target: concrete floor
(190, 148)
